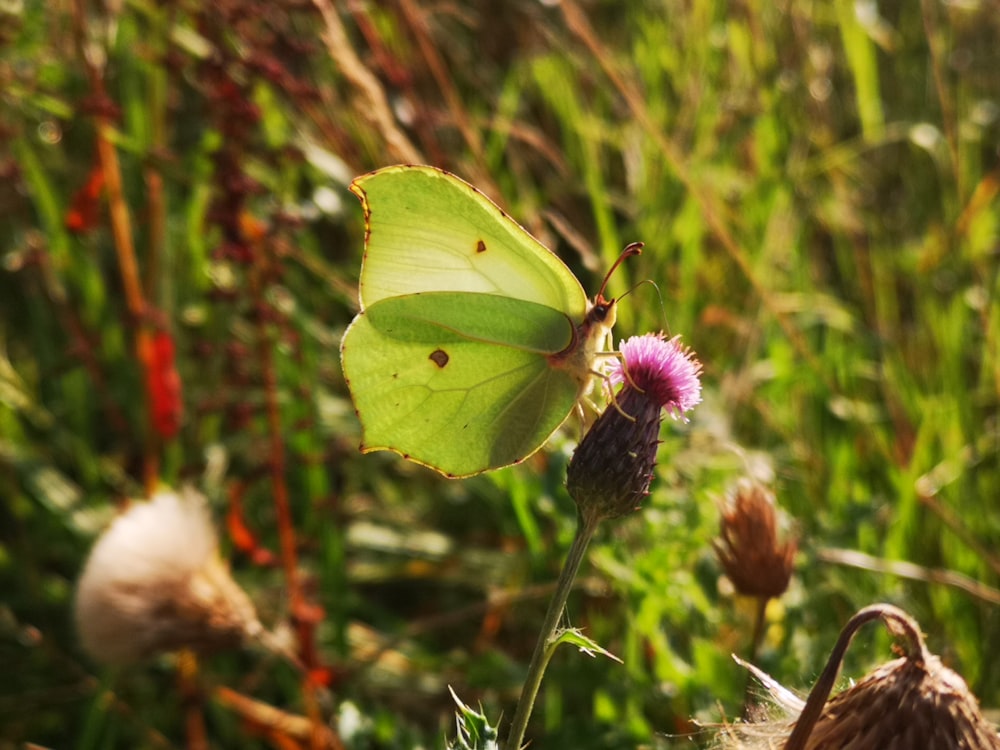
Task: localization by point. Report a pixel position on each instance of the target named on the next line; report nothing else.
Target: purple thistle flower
(665, 371)
(612, 468)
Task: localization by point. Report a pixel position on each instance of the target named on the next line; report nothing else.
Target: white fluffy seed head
(155, 582)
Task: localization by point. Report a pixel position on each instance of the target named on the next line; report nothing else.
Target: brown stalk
(898, 622)
(982, 200)
(376, 104)
(400, 77)
(187, 686)
(155, 204)
(911, 571)
(927, 495)
(439, 69)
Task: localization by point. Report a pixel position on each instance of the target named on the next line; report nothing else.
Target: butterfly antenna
(659, 296)
(633, 248)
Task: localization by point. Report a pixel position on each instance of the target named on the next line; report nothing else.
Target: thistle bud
(756, 562)
(155, 582)
(612, 468)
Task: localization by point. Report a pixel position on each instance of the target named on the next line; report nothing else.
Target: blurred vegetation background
(816, 184)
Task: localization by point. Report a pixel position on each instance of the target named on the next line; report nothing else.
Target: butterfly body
(474, 341)
(588, 341)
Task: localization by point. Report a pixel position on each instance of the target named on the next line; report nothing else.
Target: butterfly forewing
(430, 231)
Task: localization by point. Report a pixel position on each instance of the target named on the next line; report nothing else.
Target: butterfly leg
(609, 391)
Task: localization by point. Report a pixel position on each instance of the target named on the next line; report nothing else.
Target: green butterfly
(474, 341)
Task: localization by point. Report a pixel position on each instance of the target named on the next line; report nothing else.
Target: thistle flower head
(155, 581)
(665, 371)
(612, 468)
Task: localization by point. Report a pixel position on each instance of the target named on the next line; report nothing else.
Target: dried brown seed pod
(755, 560)
(914, 702)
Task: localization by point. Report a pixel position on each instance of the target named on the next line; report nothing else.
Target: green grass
(817, 192)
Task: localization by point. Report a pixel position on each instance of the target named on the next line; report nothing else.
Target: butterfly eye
(601, 310)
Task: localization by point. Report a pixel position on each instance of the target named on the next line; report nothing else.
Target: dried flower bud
(749, 551)
(912, 702)
(612, 467)
(155, 582)
(905, 703)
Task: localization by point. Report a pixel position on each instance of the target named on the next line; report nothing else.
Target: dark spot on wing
(480, 247)
(439, 357)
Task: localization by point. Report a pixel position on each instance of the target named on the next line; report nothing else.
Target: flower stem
(585, 528)
(758, 636)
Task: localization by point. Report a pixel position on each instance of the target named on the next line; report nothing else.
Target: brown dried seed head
(754, 559)
(155, 582)
(912, 703)
(907, 703)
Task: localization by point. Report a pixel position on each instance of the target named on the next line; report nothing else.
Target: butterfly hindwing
(415, 366)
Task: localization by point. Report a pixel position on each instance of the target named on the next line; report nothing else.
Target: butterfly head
(600, 319)
(602, 312)
(591, 335)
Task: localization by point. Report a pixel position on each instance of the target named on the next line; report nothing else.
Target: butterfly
(474, 341)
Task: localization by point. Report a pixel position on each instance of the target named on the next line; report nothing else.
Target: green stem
(585, 529)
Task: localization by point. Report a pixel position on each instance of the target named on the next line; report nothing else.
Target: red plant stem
(121, 228)
(304, 629)
(286, 528)
(274, 722)
(155, 204)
